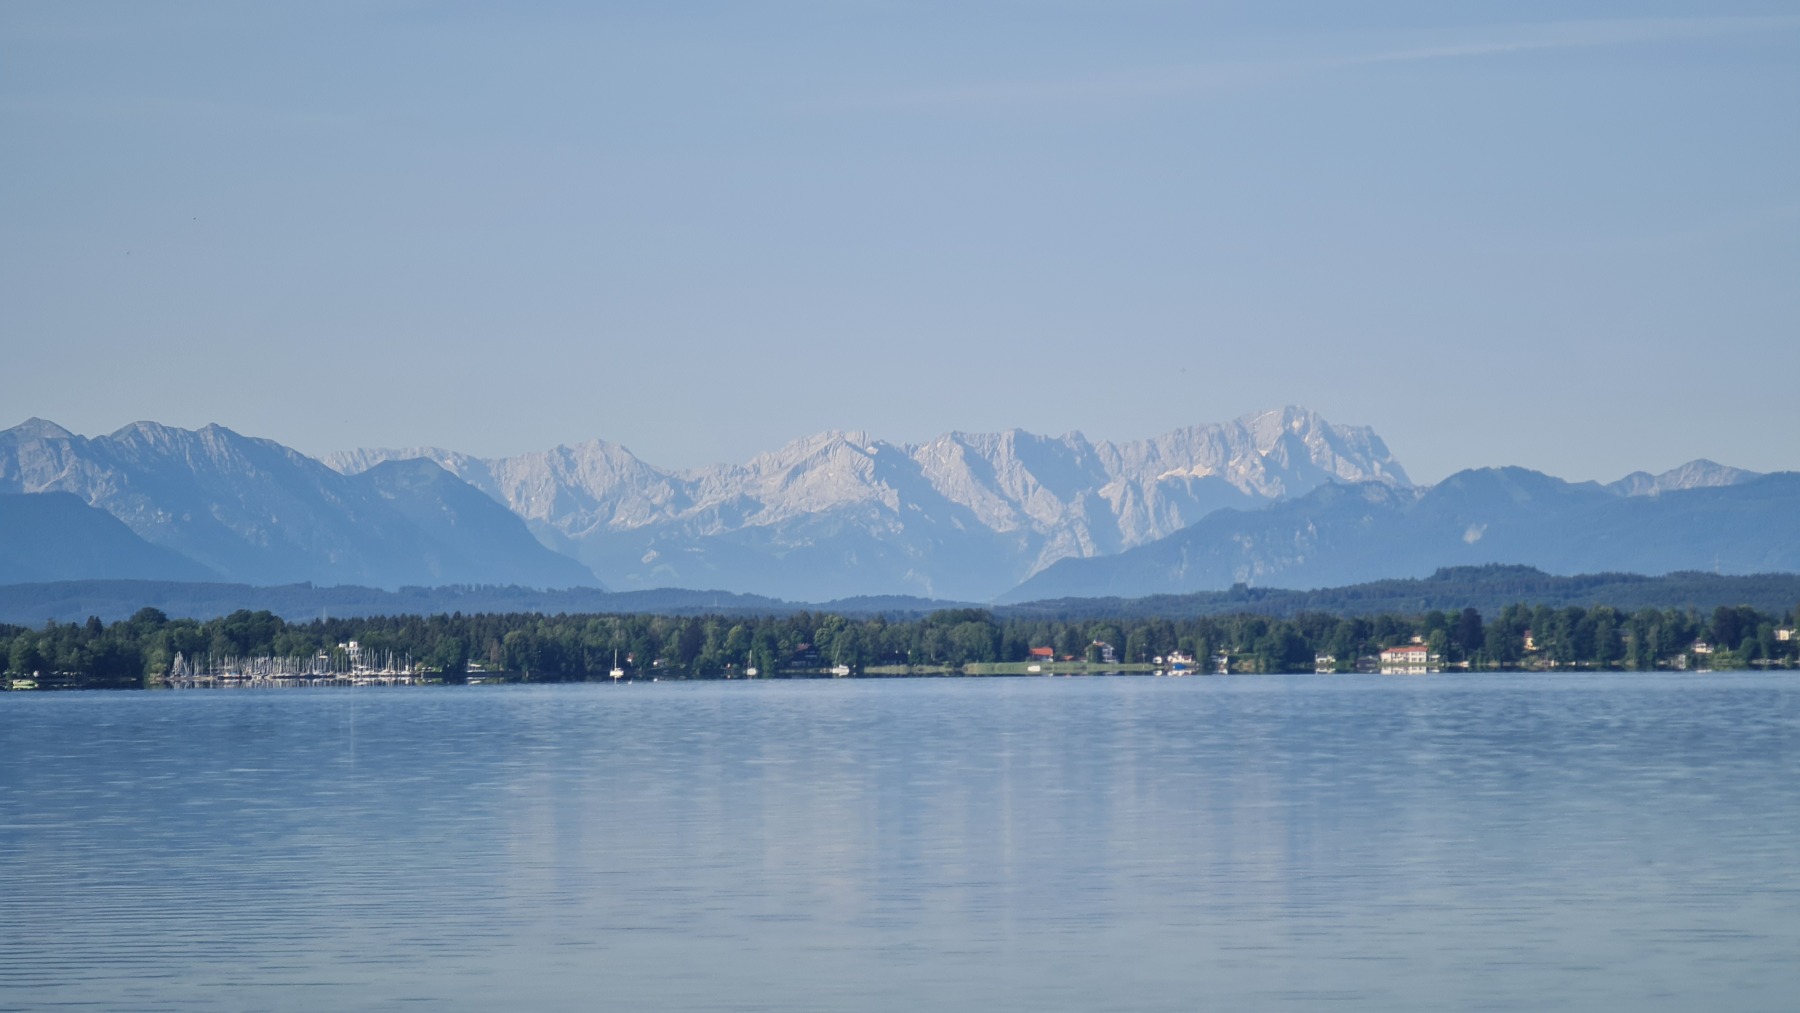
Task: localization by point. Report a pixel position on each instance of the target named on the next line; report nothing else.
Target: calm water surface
(1257, 843)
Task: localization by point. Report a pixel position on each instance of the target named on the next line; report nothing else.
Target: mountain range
(1279, 497)
(1724, 521)
(963, 516)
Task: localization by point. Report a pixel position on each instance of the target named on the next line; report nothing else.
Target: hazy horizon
(878, 437)
(1555, 236)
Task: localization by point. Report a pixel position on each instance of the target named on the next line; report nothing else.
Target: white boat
(617, 672)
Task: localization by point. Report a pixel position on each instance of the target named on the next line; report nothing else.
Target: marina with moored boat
(349, 665)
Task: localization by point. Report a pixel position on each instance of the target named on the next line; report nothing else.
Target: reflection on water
(1505, 842)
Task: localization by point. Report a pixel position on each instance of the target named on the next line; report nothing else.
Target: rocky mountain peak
(145, 431)
(1696, 474)
(828, 445)
(1013, 501)
(35, 428)
(355, 462)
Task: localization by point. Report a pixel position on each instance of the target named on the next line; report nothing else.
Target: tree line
(139, 651)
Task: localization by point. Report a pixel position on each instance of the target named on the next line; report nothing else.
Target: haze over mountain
(964, 516)
(1700, 474)
(55, 536)
(1697, 517)
(1281, 497)
(255, 511)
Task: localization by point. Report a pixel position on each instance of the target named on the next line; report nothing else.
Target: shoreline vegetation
(151, 650)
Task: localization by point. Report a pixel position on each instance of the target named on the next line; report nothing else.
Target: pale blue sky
(1565, 235)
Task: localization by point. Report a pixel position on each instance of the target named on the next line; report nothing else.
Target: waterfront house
(1407, 659)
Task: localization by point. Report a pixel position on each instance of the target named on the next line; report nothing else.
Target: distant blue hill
(1484, 588)
(72, 601)
(1350, 534)
(254, 511)
(55, 536)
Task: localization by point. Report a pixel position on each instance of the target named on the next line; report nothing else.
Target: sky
(1558, 235)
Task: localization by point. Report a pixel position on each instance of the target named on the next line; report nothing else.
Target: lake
(1489, 842)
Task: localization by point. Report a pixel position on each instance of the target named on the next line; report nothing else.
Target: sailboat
(749, 666)
(617, 672)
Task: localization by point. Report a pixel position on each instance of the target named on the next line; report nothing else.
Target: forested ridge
(140, 651)
(1488, 589)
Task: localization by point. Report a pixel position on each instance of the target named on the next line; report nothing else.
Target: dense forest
(1489, 589)
(141, 650)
